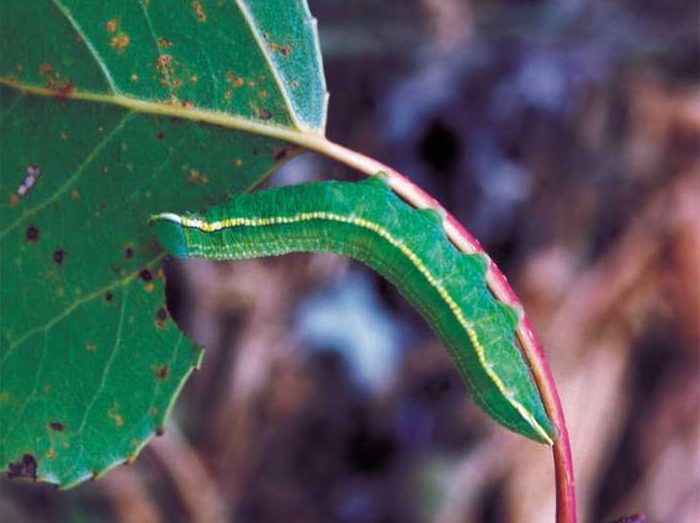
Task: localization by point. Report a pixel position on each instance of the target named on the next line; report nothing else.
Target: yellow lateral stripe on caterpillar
(415, 260)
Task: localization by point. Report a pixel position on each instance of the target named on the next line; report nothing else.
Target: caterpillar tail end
(170, 234)
(546, 435)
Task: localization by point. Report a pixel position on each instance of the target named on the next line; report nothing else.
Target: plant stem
(498, 284)
(313, 140)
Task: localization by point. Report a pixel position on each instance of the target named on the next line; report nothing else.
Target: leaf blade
(268, 73)
(90, 362)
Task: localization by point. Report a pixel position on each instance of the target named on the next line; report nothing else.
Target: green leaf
(110, 111)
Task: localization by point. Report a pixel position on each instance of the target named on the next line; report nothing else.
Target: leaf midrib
(305, 137)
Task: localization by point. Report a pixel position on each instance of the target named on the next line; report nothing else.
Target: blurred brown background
(565, 135)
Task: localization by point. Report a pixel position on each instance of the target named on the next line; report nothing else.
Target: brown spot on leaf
(112, 25)
(63, 91)
(199, 11)
(23, 468)
(193, 176)
(284, 50)
(109, 296)
(161, 316)
(146, 275)
(160, 371)
(114, 415)
(32, 233)
(234, 79)
(163, 61)
(196, 177)
(58, 256)
(120, 41)
(56, 425)
(160, 135)
(128, 253)
(264, 114)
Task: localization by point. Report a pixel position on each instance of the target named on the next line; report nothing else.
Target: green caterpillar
(368, 222)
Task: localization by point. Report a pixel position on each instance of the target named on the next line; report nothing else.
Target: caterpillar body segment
(368, 222)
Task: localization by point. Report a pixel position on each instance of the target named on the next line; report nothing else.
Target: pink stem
(535, 357)
(498, 284)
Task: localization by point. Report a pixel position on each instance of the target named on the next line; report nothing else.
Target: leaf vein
(260, 41)
(88, 44)
(15, 102)
(79, 171)
(32, 394)
(70, 308)
(108, 365)
(151, 28)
